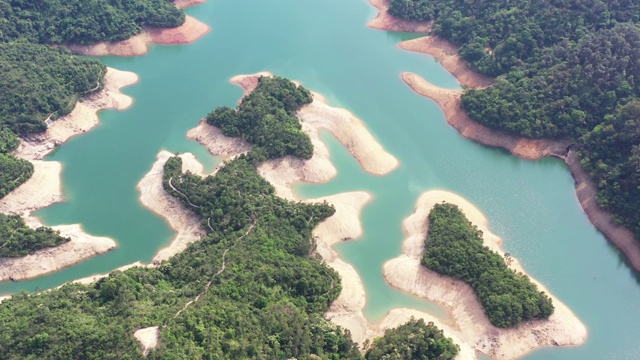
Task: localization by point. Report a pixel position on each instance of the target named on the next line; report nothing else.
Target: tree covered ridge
(266, 118)
(83, 21)
(413, 340)
(517, 32)
(454, 247)
(17, 239)
(40, 82)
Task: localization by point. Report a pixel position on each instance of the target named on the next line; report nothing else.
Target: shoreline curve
(44, 188)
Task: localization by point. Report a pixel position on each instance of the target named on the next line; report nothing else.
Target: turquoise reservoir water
(327, 46)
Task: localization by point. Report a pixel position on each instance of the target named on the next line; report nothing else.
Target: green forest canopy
(454, 247)
(266, 118)
(83, 21)
(413, 340)
(17, 239)
(566, 70)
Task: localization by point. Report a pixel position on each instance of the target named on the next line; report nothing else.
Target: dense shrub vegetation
(83, 21)
(567, 68)
(17, 239)
(413, 340)
(40, 81)
(454, 247)
(266, 118)
(13, 171)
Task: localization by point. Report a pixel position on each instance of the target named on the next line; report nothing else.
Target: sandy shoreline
(384, 21)
(188, 32)
(470, 323)
(44, 187)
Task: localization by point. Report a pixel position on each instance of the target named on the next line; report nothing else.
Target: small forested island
(454, 247)
(565, 70)
(413, 340)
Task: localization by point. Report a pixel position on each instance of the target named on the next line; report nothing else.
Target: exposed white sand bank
(183, 221)
(471, 325)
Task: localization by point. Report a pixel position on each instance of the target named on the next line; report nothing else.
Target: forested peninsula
(565, 71)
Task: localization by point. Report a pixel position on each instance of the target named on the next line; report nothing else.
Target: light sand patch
(344, 225)
(4, 297)
(384, 21)
(471, 326)
(183, 221)
(148, 338)
(450, 102)
(44, 187)
(188, 32)
(447, 54)
(82, 246)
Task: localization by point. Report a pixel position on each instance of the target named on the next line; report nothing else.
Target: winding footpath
(222, 268)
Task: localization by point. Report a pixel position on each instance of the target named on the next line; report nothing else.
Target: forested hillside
(566, 70)
(83, 21)
(413, 340)
(40, 82)
(454, 247)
